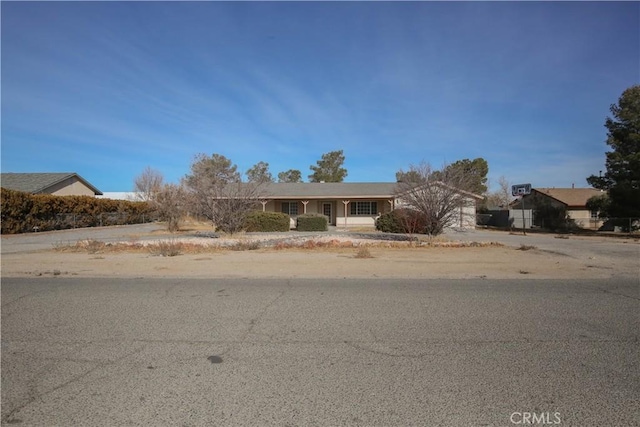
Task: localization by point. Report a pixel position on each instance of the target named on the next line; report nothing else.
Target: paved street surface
(320, 352)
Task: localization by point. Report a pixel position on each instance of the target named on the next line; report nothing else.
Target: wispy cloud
(527, 86)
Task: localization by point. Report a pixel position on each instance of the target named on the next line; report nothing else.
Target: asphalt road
(320, 352)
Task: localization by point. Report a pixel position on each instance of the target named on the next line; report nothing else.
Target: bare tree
(218, 194)
(437, 196)
(410, 176)
(147, 184)
(170, 202)
(412, 222)
(501, 197)
(232, 204)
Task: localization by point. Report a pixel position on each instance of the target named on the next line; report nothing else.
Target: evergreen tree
(622, 179)
(329, 168)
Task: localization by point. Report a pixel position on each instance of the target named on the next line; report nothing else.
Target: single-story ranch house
(574, 200)
(58, 184)
(345, 204)
(348, 204)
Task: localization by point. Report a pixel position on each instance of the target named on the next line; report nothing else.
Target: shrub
(388, 223)
(363, 252)
(312, 222)
(553, 218)
(402, 221)
(267, 221)
(166, 248)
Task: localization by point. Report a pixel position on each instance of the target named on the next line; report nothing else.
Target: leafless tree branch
(440, 200)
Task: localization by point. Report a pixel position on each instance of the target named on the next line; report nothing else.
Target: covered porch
(340, 212)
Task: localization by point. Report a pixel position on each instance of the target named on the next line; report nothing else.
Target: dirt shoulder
(424, 262)
(132, 252)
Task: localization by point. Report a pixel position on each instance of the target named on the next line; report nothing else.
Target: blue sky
(106, 89)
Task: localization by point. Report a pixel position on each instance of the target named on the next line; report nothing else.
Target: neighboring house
(346, 204)
(120, 195)
(59, 184)
(574, 200)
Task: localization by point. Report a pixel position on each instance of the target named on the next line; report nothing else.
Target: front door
(326, 211)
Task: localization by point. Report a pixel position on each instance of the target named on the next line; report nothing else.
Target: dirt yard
(330, 259)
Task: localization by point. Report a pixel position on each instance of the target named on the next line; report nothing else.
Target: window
(290, 208)
(364, 208)
(594, 214)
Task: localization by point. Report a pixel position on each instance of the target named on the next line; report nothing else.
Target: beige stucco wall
(338, 217)
(349, 220)
(71, 187)
(465, 217)
(582, 217)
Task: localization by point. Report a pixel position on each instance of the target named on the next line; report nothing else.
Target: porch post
(304, 205)
(390, 204)
(346, 203)
(264, 205)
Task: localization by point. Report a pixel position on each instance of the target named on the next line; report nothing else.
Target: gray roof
(338, 190)
(39, 182)
(318, 190)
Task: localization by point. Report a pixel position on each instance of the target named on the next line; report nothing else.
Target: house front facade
(345, 204)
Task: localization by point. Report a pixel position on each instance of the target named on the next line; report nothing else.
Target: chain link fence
(63, 221)
(507, 219)
(618, 225)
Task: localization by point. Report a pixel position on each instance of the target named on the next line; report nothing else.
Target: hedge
(25, 212)
(267, 221)
(312, 222)
(402, 221)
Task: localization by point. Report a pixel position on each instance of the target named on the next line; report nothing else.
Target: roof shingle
(38, 182)
(316, 190)
(572, 197)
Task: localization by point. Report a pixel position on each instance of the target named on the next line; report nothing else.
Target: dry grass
(526, 248)
(176, 246)
(247, 245)
(314, 244)
(363, 253)
(90, 246)
(94, 246)
(461, 244)
(166, 248)
(362, 229)
(159, 247)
